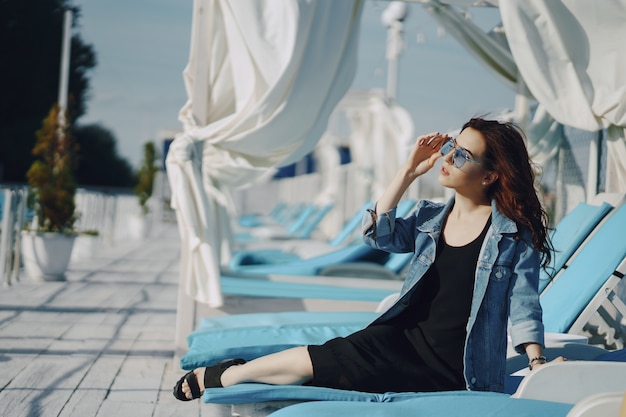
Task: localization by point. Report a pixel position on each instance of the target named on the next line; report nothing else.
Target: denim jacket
(505, 287)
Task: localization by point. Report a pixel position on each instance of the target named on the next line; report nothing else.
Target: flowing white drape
(572, 55)
(491, 49)
(545, 134)
(262, 79)
(381, 131)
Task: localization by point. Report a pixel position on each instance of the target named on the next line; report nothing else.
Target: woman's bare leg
(291, 366)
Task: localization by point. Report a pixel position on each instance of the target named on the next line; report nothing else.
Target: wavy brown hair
(514, 190)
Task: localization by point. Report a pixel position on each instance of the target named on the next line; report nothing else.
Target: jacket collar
(499, 223)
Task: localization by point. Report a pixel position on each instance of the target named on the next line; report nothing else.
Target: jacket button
(498, 274)
(473, 380)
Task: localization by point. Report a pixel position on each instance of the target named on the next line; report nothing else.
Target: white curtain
(491, 49)
(572, 56)
(263, 77)
(546, 139)
(381, 131)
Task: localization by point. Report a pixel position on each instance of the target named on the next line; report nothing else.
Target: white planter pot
(46, 255)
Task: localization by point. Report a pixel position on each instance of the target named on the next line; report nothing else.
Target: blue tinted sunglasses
(460, 155)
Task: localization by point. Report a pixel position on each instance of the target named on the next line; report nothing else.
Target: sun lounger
(559, 383)
(465, 404)
(304, 248)
(301, 228)
(590, 280)
(328, 288)
(264, 253)
(570, 233)
(256, 220)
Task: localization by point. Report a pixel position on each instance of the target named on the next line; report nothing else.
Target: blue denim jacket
(505, 287)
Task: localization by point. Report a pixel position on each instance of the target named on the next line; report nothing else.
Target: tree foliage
(145, 176)
(30, 46)
(99, 164)
(51, 175)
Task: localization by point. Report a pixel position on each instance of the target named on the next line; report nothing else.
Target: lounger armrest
(607, 404)
(571, 351)
(572, 381)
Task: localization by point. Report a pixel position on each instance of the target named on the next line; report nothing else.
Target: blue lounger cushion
(261, 286)
(563, 302)
(440, 404)
(570, 234)
(311, 266)
(271, 261)
(252, 393)
(252, 335)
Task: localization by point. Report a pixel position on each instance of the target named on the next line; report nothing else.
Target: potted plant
(139, 223)
(47, 243)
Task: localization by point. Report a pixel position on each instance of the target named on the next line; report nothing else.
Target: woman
(475, 269)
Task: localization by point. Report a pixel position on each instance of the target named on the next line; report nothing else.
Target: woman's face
(471, 176)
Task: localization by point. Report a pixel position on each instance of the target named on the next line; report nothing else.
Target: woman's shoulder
(429, 208)
(431, 204)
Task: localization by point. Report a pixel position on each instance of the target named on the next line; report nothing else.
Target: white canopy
(381, 132)
(567, 55)
(572, 56)
(262, 79)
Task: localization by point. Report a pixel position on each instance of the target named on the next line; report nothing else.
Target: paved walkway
(102, 343)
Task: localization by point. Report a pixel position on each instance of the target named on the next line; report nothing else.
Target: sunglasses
(460, 155)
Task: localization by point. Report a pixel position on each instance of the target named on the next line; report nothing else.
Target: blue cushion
(312, 266)
(261, 257)
(273, 263)
(574, 289)
(249, 336)
(251, 393)
(570, 234)
(261, 286)
(443, 404)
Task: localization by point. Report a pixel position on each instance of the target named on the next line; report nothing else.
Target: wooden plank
(43, 387)
(115, 408)
(93, 389)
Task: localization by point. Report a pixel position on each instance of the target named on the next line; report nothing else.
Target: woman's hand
(424, 154)
(422, 158)
(557, 359)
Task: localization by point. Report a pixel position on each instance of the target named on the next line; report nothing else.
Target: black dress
(421, 349)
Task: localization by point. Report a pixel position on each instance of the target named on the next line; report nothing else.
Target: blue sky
(143, 46)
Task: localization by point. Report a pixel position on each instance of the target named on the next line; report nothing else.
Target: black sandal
(212, 379)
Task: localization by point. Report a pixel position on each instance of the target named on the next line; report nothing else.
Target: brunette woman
(475, 270)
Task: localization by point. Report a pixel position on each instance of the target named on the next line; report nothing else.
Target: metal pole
(394, 48)
(6, 235)
(594, 167)
(65, 65)
(392, 17)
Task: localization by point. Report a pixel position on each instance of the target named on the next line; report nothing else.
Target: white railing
(107, 216)
(13, 207)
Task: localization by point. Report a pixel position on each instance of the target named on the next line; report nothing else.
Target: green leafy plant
(145, 176)
(51, 176)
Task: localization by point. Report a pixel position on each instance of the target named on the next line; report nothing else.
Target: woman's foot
(193, 383)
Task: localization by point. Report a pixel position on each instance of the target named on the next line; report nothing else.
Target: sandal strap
(192, 381)
(213, 374)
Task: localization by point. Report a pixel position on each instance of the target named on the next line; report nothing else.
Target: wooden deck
(101, 343)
